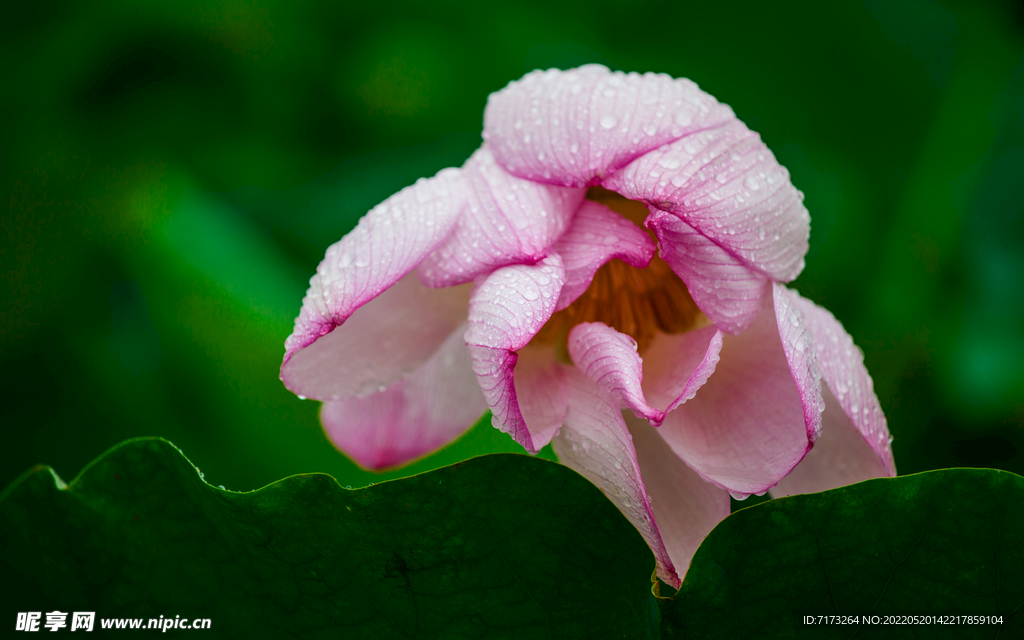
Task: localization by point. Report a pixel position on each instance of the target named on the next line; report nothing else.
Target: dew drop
(609, 121)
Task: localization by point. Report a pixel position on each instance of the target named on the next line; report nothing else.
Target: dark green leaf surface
(942, 542)
(502, 546)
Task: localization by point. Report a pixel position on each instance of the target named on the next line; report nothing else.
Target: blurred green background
(173, 172)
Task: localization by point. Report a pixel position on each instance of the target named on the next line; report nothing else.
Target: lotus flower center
(637, 302)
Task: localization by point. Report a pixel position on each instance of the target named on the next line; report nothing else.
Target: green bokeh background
(172, 173)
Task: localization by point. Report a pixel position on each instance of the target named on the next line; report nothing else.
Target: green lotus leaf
(501, 546)
(936, 544)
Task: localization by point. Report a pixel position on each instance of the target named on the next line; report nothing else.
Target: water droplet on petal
(609, 121)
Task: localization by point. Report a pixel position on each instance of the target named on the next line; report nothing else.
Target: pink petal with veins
(759, 412)
(506, 310)
(573, 128)
(541, 392)
(727, 291)
(598, 234)
(388, 243)
(725, 184)
(596, 443)
(412, 417)
(676, 366)
(387, 338)
(507, 221)
(610, 360)
(854, 443)
(686, 507)
(727, 218)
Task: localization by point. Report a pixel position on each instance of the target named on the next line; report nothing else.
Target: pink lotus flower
(664, 362)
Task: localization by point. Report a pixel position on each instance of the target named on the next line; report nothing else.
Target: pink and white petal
(730, 293)
(508, 221)
(598, 234)
(385, 339)
(677, 365)
(506, 310)
(573, 128)
(840, 457)
(842, 367)
(609, 359)
(414, 416)
(596, 443)
(727, 186)
(541, 392)
(759, 413)
(854, 443)
(686, 507)
(388, 243)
